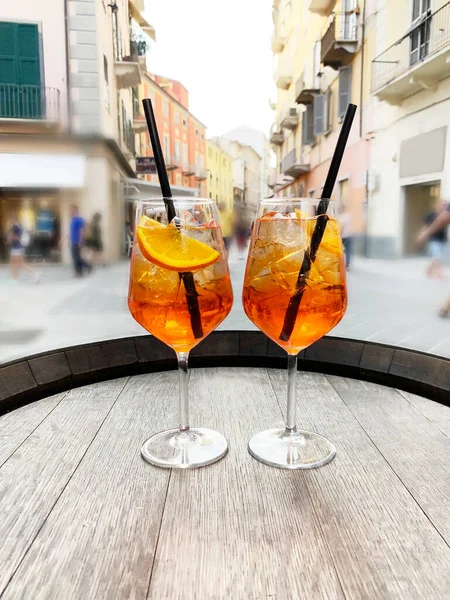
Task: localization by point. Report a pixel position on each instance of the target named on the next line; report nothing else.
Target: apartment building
(248, 136)
(219, 165)
(66, 113)
(246, 174)
(183, 136)
(322, 53)
(411, 119)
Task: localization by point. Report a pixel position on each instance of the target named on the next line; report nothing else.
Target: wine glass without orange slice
(281, 236)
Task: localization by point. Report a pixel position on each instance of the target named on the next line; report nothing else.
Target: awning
(42, 170)
(140, 189)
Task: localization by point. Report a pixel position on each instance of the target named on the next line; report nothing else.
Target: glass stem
(291, 426)
(182, 358)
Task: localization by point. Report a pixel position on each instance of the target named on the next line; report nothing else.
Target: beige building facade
(66, 116)
(411, 120)
(322, 58)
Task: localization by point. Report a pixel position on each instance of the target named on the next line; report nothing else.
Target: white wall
(50, 17)
(418, 114)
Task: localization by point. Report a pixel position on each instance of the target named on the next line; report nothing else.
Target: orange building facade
(183, 136)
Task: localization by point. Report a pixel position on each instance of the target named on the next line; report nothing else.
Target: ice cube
(284, 230)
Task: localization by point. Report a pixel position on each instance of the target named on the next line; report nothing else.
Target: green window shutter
(21, 96)
(8, 58)
(28, 54)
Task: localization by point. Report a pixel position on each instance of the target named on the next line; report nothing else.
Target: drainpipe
(366, 200)
(363, 35)
(67, 40)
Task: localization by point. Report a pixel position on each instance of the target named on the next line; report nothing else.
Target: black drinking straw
(187, 277)
(319, 229)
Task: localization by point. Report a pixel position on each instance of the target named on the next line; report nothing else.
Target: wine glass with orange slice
(180, 291)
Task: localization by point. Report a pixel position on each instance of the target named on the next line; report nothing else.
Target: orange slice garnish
(166, 247)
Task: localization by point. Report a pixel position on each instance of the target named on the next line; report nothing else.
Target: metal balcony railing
(428, 35)
(29, 102)
(342, 30)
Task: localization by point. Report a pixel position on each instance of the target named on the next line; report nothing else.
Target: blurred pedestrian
(17, 252)
(436, 244)
(77, 233)
(441, 221)
(345, 222)
(129, 235)
(94, 240)
(241, 232)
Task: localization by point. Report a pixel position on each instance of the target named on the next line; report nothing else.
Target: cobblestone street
(389, 301)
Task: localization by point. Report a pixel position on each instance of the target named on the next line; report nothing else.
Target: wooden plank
(36, 474)
(99, 540)
(17, 425)
(437, 414)
(382, 543)
(415, 450)
(239, 529)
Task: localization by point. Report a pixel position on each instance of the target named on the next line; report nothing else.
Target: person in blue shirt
(441, 222)
(76, 236)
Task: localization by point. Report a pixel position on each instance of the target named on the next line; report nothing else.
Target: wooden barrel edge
(32, 378)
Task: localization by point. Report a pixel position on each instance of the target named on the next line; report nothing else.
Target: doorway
(420, 200)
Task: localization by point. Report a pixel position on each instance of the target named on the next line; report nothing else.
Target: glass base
(291, 450)
(173, 449)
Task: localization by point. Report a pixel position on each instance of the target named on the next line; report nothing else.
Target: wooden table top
(83, 516)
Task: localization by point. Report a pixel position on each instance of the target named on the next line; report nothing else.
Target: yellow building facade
(219, 165)
(322, 53)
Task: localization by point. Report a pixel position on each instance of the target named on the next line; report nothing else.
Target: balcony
(188, 170)
(278, 41)
(304, 94)
(127, 68)
(29, 103)
(340, 41)
(276, 135)
(292, 166)
(173, 162)
(283, 75)
(290, 119)
(201, 173)
(417, 61)
(321, 7)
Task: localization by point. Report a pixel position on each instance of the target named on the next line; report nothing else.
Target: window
(177, 116)
(166, 147)
(420, 35)
(185, 155)
(311, 193)
(308, 126)
(106, 81)
(184, 122)
(319, 106)
(178, 180)
(165, 108)
(328, 112)
(345, 90)
(210, 153)
(177, 151)
(196, 133)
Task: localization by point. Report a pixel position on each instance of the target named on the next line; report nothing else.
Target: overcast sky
(219, 50)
